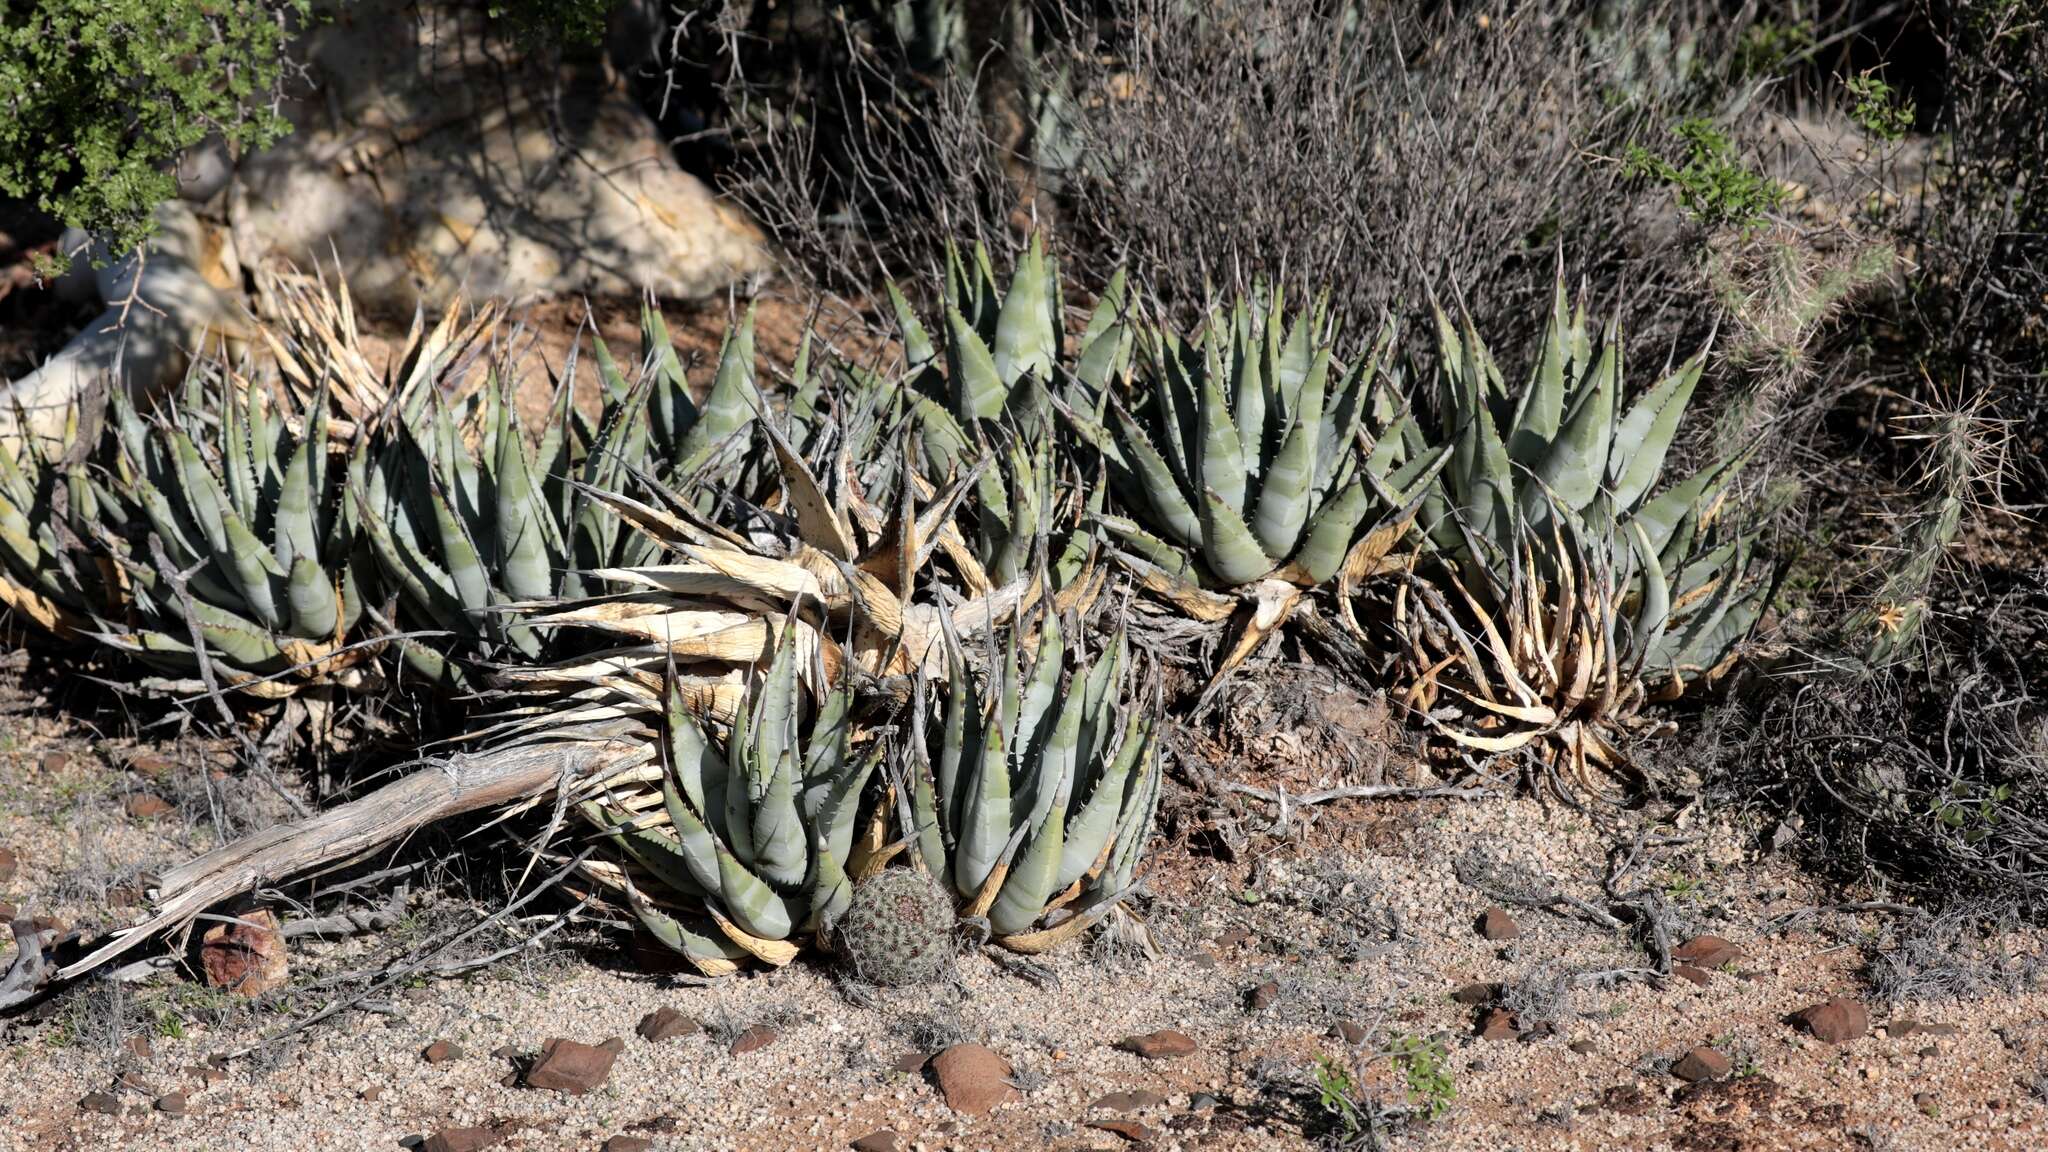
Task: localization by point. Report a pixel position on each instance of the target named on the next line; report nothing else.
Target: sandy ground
(1357, 917)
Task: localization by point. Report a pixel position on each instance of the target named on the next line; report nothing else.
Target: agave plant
(52, 505)
(1570, 582)
(1036, 794)
(745, 845)
(234, 555)
(988, 389)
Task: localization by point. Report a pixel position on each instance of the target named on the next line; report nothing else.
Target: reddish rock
(883, 1140)
(54, 762)
(1474, 995)
(1837, 1021)
(753, 1040)
(911, 1062)
(103, 1103)
(1583, 1047)
(973, 1079)
(614, 1045)
(150, 764)
(1262, 997)
(1499, 1024)
(172, 1104)
(1695, 975)
(206, 1074)
(461, 1140)
(246, 957)
(1164, 1044)
(1707, 952)
(1136, 1101)
(623, 1143)
(145, 806)
(1496, 924)
(1130, 1130)
(665, 1023)
(1349, 1031)
(441, 1052)
(1700, 1064)
(570, 1067)
(9, 864)
(138, 1047)
(1233, 938)
(372, 1094)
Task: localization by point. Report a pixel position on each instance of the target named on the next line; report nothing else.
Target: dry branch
(459, 784)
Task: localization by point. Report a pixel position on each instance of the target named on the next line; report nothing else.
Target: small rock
(1262, 997)
(1474, 995)
(1702, 1063)
(150, 764)
(1201, 1102)
(372, 1094)
(973, 1079)
(441, 1052)
(103, 1103)
(206, 1074)
(1707, 952)
(171, 1104)
(911, 1062)
(1130, 1130)
(882, 1140)
(1496, 924)
(624, 1143)
(461, 1140)
(246, 957)
(1349, 1031)
(1136, 1101)
(1900, 1029)
(1233, 938)
(138, 1047)
(1925, 1102)
(1688, 972)
(1161, 1045)
(1836, 1021)
(1584, 1047)
(54, 762)
(570, 1067)
(665, 1023)
(753, 1040)
(145, 806)
(9, 864)
(614, 1045)
(505, 1052)
(1498, 1024)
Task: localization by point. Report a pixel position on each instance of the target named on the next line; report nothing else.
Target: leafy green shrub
(1714, 187)
(98, 98)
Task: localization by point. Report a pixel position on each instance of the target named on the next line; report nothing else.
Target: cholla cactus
(1036, 796)
(1570, 582)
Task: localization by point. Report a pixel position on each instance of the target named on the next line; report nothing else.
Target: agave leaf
(1222, 460)
(1572, 471)
(985, 814)
(1229, 549)
(1645, 433)
(1284, 492)
(732, 402)
(979, 391)
(1088, 833)
(1541, 408)
(1027, 337)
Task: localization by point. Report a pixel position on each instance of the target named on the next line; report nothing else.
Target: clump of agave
(1570, 582)
(1035, 792)
(745, 847)
(1255, 465)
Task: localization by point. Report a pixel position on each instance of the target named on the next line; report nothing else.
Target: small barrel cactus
(898, 931)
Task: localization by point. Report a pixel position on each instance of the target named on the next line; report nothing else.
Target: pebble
(1129, 1101)
(1702, 1063)
(570, 1067)
(880, 1140)
(1498, 1024)
(103, 1103)
(172, 1104)
(9, 864)
(1130, 1130)
(974, 1080)
(1496, 924)
(624, 1143)
(1260, 998)
(665, 1023)
(753, 1040)
(441, 1052)
(145, 806)
(461, 1140)
(1161, 1045)
(1835, 1021)
(1707, 952)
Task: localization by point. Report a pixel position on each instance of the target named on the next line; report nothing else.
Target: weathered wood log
(452, 786)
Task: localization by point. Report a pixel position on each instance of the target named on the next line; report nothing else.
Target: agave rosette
(1570, 581)
(1035, 792)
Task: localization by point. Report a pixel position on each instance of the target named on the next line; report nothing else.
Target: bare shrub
(1959, 954)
